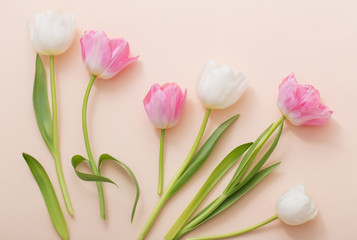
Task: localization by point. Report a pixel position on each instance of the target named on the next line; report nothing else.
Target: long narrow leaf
(76, 160)
(211, 181)
(202, 154)
(230, 200)
(49, 195)
(261, 162)
(245, 159)
(41, 104)
(104, 157)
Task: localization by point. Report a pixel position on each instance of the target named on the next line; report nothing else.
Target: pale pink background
(266, 40)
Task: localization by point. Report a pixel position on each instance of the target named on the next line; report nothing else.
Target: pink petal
(287, 94)
(96, 51)
(115, 69)
(180, 106)
(120, 54)
(158, 108)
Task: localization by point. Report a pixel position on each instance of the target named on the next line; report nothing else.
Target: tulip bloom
(300, 104)
(105, 57)
(164, 106)
(50, 33)
(220, 87)
(294, 208)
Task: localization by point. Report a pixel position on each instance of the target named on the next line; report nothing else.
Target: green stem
(236, 233)
(56, 153)
(167, 193)
(89, 152)
(161, 162)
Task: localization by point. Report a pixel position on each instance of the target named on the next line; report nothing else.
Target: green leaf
(261, 162)
(105, 157)
(41, 104)
(246, 158)
(202, 155)
(230, 200)
(211, 181)
(76, 160)
(49, 195)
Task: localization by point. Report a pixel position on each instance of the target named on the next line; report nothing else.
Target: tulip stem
(161, 162)
(55, 152)
(167, 192)
(89, 152)
(236, 233)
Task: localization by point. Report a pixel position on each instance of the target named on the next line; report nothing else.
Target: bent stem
(236, 233)
(89, 152)
(56, 153)
(161, 162)
(167, 193)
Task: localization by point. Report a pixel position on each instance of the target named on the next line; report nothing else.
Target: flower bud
(295, 207)
(164, 105)
(220, 87)
(50, 33)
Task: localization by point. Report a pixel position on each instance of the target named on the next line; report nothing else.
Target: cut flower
(220, 87)
(164, 104)
(105, 57)
(300, 104)
(50, 33)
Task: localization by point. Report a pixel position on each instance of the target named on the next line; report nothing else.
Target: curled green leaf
(49, 195)
(105, 157)
(41, 104)
(78, 159)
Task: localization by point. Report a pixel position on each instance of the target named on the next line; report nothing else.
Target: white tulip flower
(220, 87)
(295, 207)
(50, 33)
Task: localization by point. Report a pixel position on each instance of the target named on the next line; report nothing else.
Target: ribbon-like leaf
(261, 162)
(202, 155)
(246, 158)
(211, 181)
(78, 159)
(41, 104)
(105, 157)
(229, 201)
(49, 195)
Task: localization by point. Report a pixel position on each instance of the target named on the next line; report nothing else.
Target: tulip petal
(115, 69)
(96, 51)
(158, 108)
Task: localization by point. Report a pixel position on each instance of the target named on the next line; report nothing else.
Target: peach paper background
(264, 39)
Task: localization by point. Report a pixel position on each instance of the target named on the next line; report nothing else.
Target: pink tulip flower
(105, 57)
(164, 105)
(300, 104)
